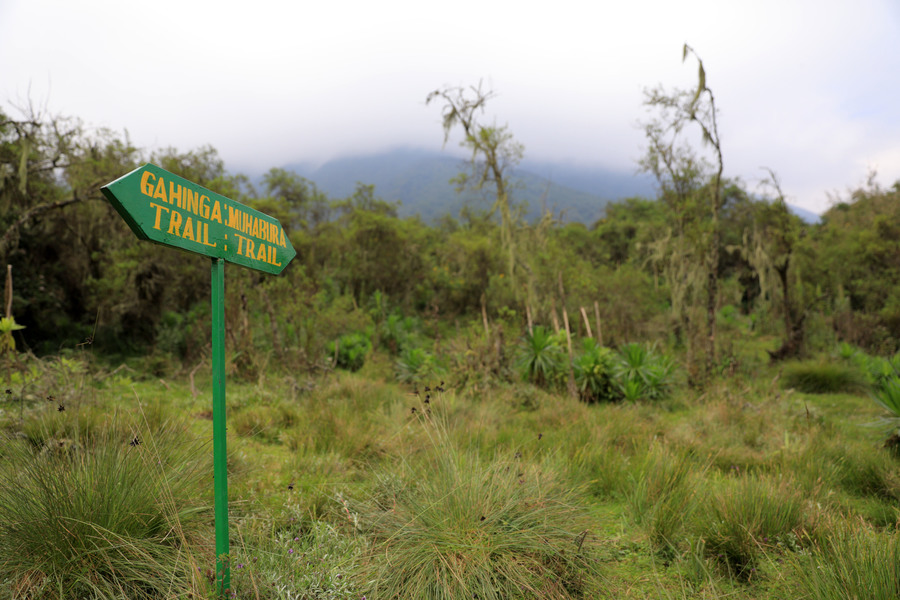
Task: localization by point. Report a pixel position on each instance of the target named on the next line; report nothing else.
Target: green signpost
(169, 210)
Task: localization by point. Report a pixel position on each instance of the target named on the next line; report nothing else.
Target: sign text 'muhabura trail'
(164, 208)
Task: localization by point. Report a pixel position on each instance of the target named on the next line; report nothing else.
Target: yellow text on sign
(169, 218)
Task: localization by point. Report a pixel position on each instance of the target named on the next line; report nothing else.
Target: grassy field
(353, 487)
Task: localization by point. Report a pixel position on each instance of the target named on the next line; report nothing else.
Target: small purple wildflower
(291, 551)
(240, 565)
(296, 539)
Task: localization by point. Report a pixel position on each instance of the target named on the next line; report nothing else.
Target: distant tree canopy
(82, 279)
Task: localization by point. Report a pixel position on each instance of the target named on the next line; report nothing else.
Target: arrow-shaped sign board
(167, 209)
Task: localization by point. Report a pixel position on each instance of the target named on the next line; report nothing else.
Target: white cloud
(806, 87)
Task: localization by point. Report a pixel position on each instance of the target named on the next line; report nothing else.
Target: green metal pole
(220, 470)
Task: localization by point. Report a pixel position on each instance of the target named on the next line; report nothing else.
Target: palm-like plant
(641, 373)
(593, 372)
(539, 357)
(886, 394)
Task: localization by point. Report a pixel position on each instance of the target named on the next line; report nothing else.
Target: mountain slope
(421, 181)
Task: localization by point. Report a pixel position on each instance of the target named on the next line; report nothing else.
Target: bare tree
(494, 153)
(685, 179)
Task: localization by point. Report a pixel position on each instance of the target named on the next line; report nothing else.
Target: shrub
(415, 364)
(398, 332)
(821, 377)
(351, 351)
(883, 377)
(478, 361)
(878, 370)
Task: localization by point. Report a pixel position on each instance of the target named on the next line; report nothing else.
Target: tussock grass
(823, 377)
(749, 515)
(852, 468)
(452, 525)
(680, 497)
(104, 516)
(854, 561)
(661, 494)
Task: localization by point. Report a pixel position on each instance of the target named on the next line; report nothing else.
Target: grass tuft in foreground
(752, 515)
(105, 516)
(450, 525)
(853, 562)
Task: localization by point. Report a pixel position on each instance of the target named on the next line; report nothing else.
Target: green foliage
(641, 373)
(351, 351)
(415, 365)
(749, 516)
(170, 337)
(853, 562)
(455, 526)
(593, 369)
(478, 362)
(539, 357)
(103, 516)
(822, 377)
(887, 396)
(291, 558)
(661, 494)
(398, 332)
(853, 260)
(7, 326)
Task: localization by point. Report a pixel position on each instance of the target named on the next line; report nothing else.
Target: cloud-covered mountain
(420, 180)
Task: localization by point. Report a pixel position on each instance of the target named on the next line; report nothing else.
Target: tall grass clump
(661, 495)
(850, 563)
(106, 516)
(751, 515)
(823, 377)
(451, 525)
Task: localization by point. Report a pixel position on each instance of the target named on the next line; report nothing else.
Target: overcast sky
(810, 89)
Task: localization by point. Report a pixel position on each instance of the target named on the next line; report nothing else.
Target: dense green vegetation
(676, 401)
